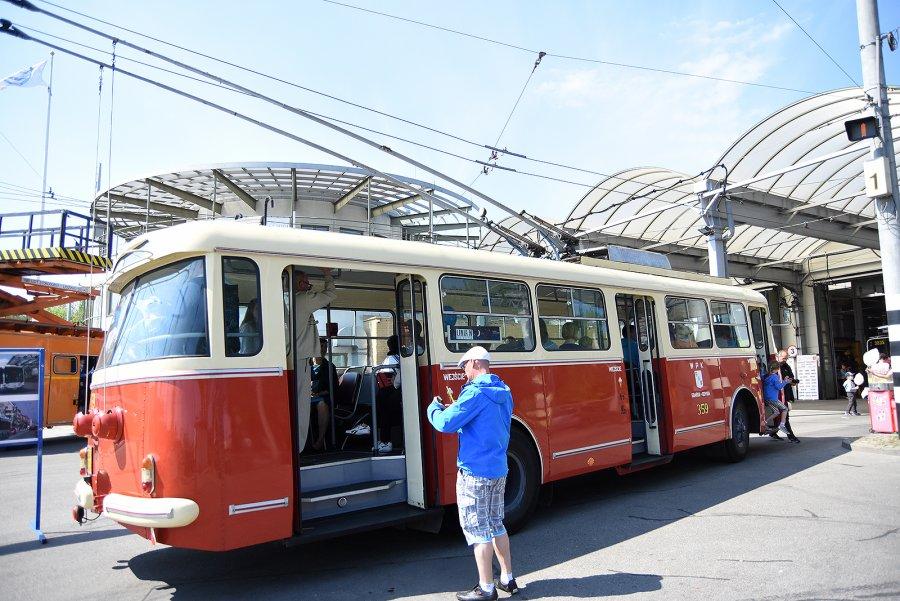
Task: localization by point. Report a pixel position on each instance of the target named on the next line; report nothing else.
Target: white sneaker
(783, 429)
(385, 447)
(360, 430)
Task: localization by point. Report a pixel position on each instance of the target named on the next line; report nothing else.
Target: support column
(714, 226)
(885, 206)
(791, 317)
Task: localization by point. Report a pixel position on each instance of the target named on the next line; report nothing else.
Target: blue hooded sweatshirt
(481, 417)
(772, 385)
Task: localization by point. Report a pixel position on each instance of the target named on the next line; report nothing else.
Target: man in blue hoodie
(481, 418)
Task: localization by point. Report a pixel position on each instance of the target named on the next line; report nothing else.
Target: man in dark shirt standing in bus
(481, 418)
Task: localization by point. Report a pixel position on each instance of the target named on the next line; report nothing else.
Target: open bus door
(760, 339)
(638, 326)
(413, 348)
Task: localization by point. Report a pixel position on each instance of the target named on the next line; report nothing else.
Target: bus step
(348, 498)
(643, 462)
(341, 471)
(361, 521)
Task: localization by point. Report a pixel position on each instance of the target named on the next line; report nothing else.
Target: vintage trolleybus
(193, 436)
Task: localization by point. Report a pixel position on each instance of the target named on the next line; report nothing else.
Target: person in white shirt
(306, 341)
(388, 400)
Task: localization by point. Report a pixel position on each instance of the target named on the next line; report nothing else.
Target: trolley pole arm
(8, 28)
(297, 111)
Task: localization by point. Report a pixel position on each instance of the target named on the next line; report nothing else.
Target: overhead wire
(818, 45)
(317, 114)
(338, 99)
(21, 156)
(565, 56)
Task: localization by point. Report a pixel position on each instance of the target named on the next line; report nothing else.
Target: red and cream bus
(192, 434)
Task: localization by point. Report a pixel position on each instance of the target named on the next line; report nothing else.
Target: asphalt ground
(807, 521)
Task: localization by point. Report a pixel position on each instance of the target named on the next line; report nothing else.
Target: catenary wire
(819, 46)
(344, 101)
(566, 56)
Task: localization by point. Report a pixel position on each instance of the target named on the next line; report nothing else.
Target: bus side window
(689, 325)
(241, 307)
(572, 319)
(730, 325)
(495, 314)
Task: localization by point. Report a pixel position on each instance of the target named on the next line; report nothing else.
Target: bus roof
(404, 255)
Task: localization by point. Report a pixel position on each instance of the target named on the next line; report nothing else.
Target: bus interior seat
(347, 394)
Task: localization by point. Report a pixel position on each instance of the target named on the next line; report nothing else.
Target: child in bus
(772, 386)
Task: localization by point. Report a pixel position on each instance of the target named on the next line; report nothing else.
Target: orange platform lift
(44, 244)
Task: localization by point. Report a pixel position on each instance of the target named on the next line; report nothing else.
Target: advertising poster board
(807, 373)
(21, 409)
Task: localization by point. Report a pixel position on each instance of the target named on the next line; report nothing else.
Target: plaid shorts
(480, 502)
(778, 406)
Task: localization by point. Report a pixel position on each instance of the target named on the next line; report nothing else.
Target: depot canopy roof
(240, 190)
(788, 221)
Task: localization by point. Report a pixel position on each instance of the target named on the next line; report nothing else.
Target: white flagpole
(46, 151)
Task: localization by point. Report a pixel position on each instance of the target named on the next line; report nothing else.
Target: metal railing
(57, 228)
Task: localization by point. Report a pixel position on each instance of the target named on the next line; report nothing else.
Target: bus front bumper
(150, 513)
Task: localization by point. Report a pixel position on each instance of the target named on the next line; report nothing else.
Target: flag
(26, 78)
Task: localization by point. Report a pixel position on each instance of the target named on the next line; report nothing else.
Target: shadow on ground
(588, 514)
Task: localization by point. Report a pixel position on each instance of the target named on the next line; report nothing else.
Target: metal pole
(715, 243)
(369, 206)
(885, 207)
(46, 151)
(147, 222)
(293, 197)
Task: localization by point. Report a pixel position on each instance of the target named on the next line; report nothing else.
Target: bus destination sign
(470, 334)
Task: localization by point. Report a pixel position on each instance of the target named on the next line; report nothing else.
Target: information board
(21, 415)
(807, 373)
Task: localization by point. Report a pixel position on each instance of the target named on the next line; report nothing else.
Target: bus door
(413, 350)
(760, 339)
(640, 354)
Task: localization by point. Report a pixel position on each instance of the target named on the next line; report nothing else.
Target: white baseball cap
(476, 352)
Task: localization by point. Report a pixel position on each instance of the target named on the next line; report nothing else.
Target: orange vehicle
(194, 436)
(68, 360)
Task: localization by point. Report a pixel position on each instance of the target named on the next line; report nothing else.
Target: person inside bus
(630, 352)
(586, 342)
(323, 380)
(511, 343)
(569, 333)
(306, 343)
(389, 402)
(545, 336)
(249, 329)
(408, 337)
(682, 336)
(725, 337)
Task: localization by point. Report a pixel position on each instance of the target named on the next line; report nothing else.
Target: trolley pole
(885, 206)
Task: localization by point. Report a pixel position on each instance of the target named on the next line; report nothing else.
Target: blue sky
(599, 117)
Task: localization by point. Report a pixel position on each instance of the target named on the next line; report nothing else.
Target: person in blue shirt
(481, 418)
(772, 386)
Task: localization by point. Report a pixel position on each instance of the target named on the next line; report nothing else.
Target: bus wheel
(522, 482)
(736, 447)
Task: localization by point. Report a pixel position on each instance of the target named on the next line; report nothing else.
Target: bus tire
(523, 482)
(736, 446)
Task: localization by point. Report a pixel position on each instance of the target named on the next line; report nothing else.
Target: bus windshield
(160, 314)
